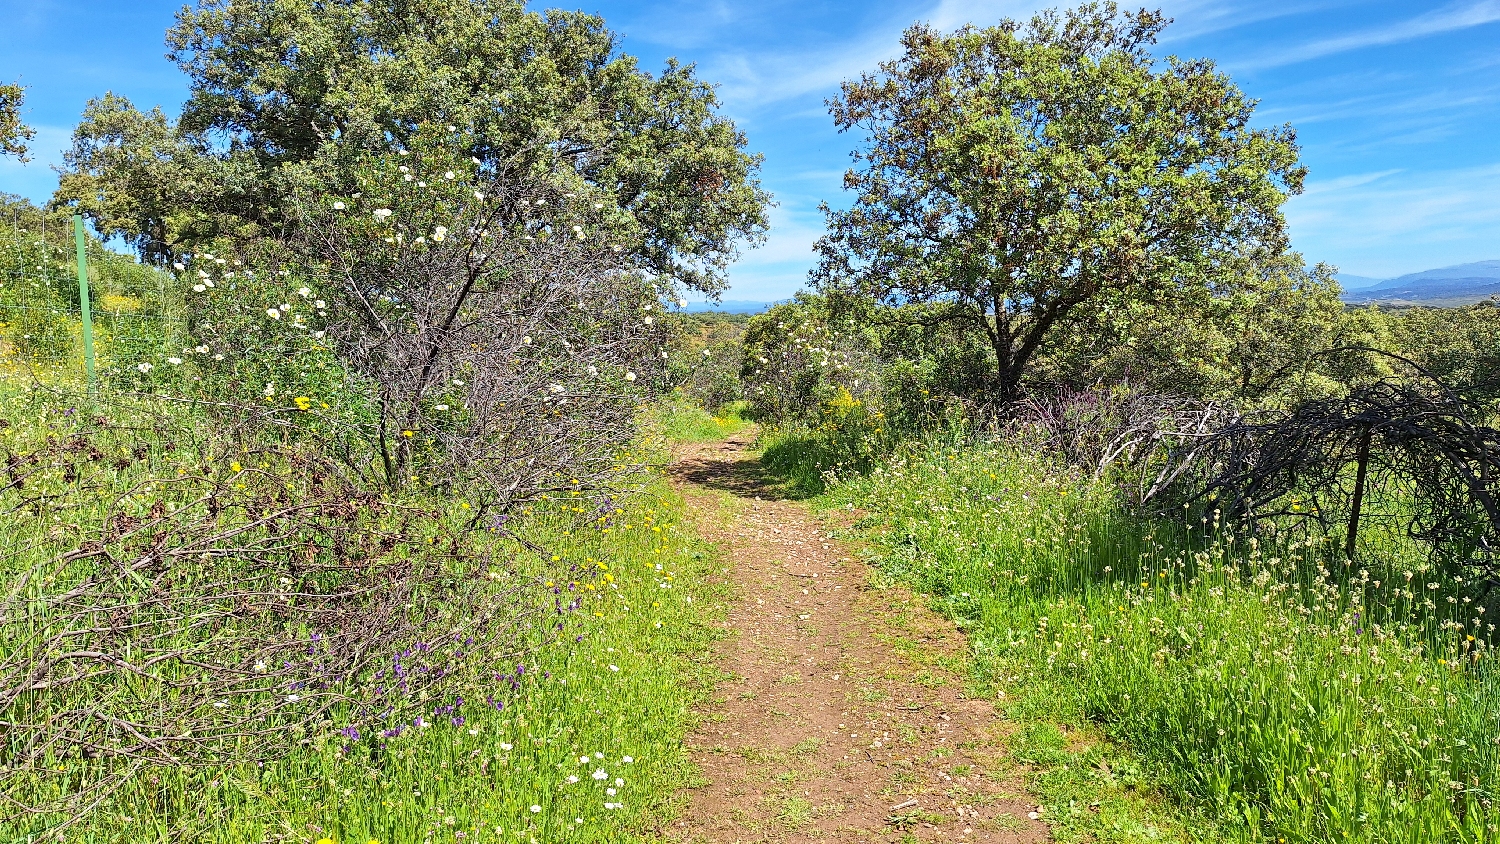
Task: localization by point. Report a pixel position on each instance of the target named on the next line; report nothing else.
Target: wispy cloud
(1387, 223)
(1454, 16)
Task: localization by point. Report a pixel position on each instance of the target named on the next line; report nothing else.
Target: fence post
(84, 304)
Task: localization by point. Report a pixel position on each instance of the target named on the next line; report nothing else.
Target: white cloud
(1452, 17)
(1388, 223)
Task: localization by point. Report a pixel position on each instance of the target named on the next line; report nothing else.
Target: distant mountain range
(1463, 284)
(729, 306)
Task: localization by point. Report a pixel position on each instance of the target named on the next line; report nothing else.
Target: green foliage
(1262, 681)
(509, 735)
(1458, 346)
(705, 358)
(1023, 180)
(288, 97)
(678, 418)
(14, 133)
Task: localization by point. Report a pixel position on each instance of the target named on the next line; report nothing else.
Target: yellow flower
(407, 433)
(325, 841)
(236, 467)
(303, 403)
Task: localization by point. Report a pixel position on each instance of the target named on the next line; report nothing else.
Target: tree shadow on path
(730, 466)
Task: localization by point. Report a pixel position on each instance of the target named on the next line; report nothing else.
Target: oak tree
(1022, 178)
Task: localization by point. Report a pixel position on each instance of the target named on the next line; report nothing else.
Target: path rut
(837, 718)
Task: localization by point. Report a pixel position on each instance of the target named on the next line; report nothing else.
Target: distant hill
(1462, 284)
(729, 306)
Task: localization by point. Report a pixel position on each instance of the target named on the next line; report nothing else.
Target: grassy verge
(1274, 695)
(576, 740)
(679, 420)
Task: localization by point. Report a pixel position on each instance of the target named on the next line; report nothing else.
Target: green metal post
(84, 305)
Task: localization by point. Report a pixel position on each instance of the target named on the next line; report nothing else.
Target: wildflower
(320, 304)
(629, 376)
(304, 292)
(382, 213)
(627, 760)
(178, 266)
(449, 175)
(325, 841)
(174, 361)
(292, 698)
(439, 233)
(613, 667)
(303, 403)
(442, 407)
(273, 313)
(479, 196)
(338, 206)
(535, 808)
(526, 341)
(260, 666)
(610, 792)
(601, 775)
(505, 746)
(144, 367)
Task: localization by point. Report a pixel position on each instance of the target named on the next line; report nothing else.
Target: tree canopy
(287, 94)
(13, 132)
(1023, 179)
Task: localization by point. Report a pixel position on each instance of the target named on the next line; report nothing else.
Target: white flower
(572, 778)
(175, 361)
(208, 283)
(448, 175)
(219, 357)
(479, 196)
(610, 791)
(627, 760)
(144, 367)
(320, 304)
(583, 760)
(439, 233)
(202, 274)
(535, 808)
(319, 334)
(598, 206)
(505, 746)
(630, 376)
(202, 350)
(554, 388)
(648, 320)
(304, 292)
(273, 313)
(597, 754)
(260, 666)
(292, 698)
(526, 341)
(601, 775)
(198, 288)
(578, 229)
(178, 266)
(403, 152)
(338, 206)
(403, 168)
(457, 382)
(406, 177)
(705, 352)
(614, 667)
(619, 782)
(382, 213)
(219, 704)
(452, 128)
(442, 407)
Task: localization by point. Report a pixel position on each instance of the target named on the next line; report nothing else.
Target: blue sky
(1397, 104)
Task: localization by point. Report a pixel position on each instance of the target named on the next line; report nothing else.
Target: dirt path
(837, 719)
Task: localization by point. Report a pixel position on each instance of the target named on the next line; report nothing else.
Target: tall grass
(1266, 682)
(577, 740)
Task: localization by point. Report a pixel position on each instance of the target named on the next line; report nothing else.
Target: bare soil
(840, 715)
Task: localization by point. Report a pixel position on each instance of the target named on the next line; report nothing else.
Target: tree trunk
(1363, 460)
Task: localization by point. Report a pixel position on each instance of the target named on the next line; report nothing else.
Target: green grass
(587, 746)
(678, 419)
(1276, 694)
